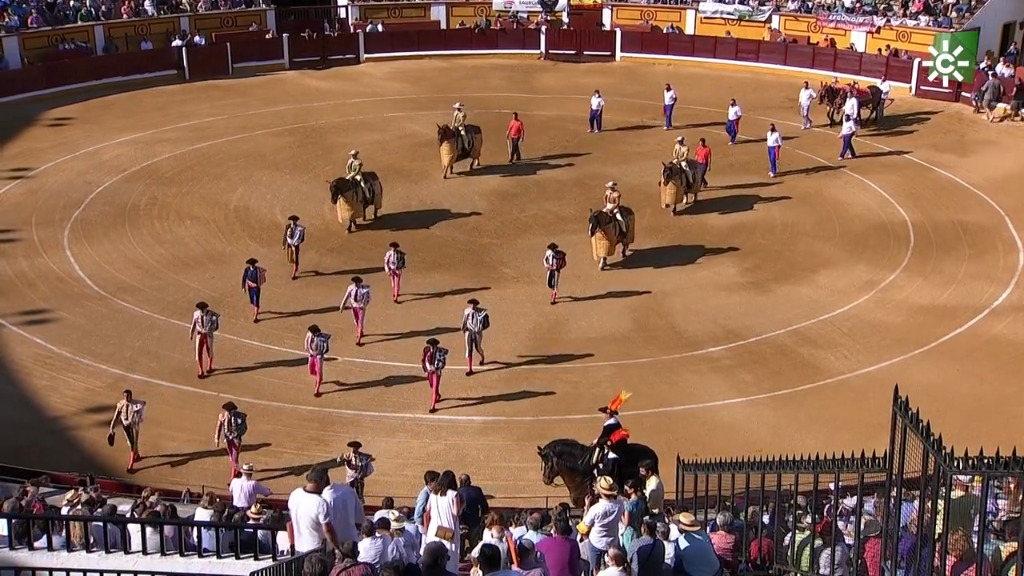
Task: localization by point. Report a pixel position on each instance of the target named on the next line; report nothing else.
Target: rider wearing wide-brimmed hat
(612, 438)
(459, 125)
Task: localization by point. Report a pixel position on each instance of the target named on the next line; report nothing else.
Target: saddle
(466, 147)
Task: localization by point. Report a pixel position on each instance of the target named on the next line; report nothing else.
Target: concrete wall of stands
(233, 49)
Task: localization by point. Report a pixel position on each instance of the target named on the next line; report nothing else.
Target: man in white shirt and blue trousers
(847, 133)
(732, 122)
(596, 111)
(670, 105)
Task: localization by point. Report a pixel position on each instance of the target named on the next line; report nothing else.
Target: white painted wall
(990, 20)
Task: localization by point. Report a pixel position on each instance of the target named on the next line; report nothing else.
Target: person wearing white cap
(354, 172)
(459, 125)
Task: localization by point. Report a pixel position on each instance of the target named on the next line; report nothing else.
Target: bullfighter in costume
(128, 413)
(459, 125)
(205, 323)
(613, 437)
(253, 278)
(294, 235)
(354, 172)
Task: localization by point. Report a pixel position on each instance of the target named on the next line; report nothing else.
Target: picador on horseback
(612, 202)
(354, 172)
(607, 448)
(459, 125)
(681, 157)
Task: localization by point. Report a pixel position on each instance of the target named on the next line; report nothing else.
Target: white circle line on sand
(78, 270)
(984, 313)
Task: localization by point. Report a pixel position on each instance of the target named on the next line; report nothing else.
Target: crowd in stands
(18, 15)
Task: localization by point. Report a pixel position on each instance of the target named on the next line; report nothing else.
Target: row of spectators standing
(17, 15)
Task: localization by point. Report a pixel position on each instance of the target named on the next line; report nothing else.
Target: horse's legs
(602, 264)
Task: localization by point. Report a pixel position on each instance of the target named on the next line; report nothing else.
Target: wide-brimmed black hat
(357, 279)
(552, 246)
(608, 411)
(230, 406)
(202, 305)
(393, 245)
(473, 301)
(433, 341)
(313, 328)
(355, 444)
(293, 218)
(252, 261)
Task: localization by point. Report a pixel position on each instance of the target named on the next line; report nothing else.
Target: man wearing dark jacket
(647, 553)
(474, 508)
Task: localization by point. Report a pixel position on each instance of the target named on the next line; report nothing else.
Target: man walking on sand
(474, 321)
(806, 98)
(357, 297)
(732, 121)
(205, 323)
(515, 135)
(128, 413)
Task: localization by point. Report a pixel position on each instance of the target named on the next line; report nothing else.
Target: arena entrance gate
(569, 45)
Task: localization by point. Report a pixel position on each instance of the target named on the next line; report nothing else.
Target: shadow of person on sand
(415, 219)
(471, 401)
(263, 365)
(297, 471)
(385, 382)
(730, 204)
(365, 271)
(268, 315)
(612, 295)
(189, 457)
(536, 360)
(668, 256)
(392, 336)
(416, 296)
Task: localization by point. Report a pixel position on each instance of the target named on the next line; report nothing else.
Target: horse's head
(666, 172)
(444, 133)
(336, 190)
(548, 469)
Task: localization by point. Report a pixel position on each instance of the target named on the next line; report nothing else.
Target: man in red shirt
(703, 155)
(515, 135)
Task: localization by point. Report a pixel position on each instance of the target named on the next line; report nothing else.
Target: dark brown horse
(452, 153)
(834, 98)
(572, 462)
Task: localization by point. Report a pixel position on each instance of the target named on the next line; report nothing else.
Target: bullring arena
(773, 316)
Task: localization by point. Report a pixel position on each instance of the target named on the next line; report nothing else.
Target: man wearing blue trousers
(847, 133)
(596, 111)
(774, 140)
(670, 105)
(732, 123)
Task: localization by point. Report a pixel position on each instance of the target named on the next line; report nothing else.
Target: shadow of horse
(525, 168)
(417, 219)
(468, 402)
(298, 470)
(731, 204)
(669, 256)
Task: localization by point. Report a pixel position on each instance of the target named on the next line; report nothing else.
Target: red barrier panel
(899, 70)
(430, 41)
(773, 53)
(210, 61)
(459, 39)
(248, 50)
(704, 46)
(306, 49)
(14, 82)
(342, 48)
(872, 65)
(799, 56)
(658, 44)
(748, 50)
(68, 72)
(847, 62)
(679, 44)
(633, 42)
(934, 90)
(486, 40)
(725, 48)
(563, 40)
(597, 42)
(824, 59)
(519, 39)
(239, 35)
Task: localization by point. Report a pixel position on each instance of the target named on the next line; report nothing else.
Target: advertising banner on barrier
(839, 21)
(733, 11)
(550, 6)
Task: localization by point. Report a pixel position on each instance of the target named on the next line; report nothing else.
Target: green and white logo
(953, 56)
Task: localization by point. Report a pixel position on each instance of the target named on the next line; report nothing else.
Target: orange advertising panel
(469, 12)
(37, 42)
(395, 12)
(913, 39)
(747, 29)
(127, 34)
(650, 14)
(792, 26)
(211, 22)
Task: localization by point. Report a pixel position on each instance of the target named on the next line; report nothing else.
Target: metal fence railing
(918, 509)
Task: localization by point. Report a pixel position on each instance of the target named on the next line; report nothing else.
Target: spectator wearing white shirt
(732, 121)
(309, 515)
(387, 507)
(346, 511)
(244, 490)
(1004, 69)
(848, 131)
(774, 140)
(885, 87)
(601, 519)
(670, 105)
(852, 106)
(199, 39)
(177, 42)
(146, 44)
(806, 98)
(596, 112)
(150, 8)
(375, 545)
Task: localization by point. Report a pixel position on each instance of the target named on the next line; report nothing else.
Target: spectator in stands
(647, 552)
(672, 29)
(615, 561)
(474, 508)
(964, 505)
(178, 42)
(635, 509)
(654, 490)
(403, 550)
(429, 478)
(561, 553)
(35, 20)
(961, 558)
(761, 551)
(244, 490)
(664, 533)
(1005, 69)
(695, 555)
(375, 545)
(434, 561)
(496, 534)
(1012, 53)
(871, 547)
(345, 509)
(204, 537)
(725, 542)
(199, 39)
(170, 512)
(349, 565)
(834, 558)
(534, 525)
(518, 524)
(530, 563)
(108, 536)
(601, 519)
(309, 514)
(387, 506)
(316, 564)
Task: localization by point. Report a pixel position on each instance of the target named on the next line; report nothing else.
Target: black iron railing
(919, 509)
(145, 536)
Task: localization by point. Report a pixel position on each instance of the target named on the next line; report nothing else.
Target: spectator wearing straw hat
(244, 490)
(600, 523)
(695, 556)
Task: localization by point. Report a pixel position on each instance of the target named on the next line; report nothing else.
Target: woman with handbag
(441, 518)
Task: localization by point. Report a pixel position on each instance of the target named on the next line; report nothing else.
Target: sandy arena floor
(772, 317)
